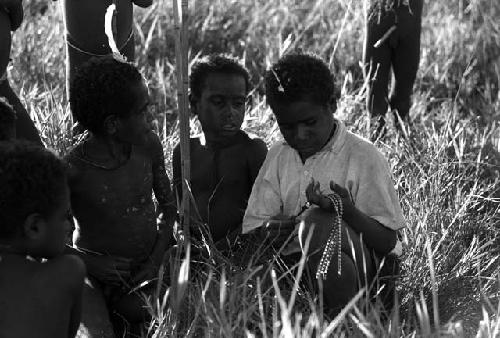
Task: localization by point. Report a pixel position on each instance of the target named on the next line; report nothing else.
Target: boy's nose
(301, 132)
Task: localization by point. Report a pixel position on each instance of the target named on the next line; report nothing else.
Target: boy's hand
(149, 271)
(315, 196)
(279, 228)
(108, 269)
(344, 195)
(15, 11)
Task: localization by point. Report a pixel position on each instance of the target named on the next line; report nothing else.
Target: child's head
(34, 200)
(7, 121)
(218, 89)
(110, 98)
(300, 92)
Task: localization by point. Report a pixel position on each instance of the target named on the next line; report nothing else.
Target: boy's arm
(68, 272)
(265, 200)
(256, 157)
(143, 3)
(162, 191)
(375, 235)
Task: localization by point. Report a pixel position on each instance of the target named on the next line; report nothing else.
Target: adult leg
(357, 266)
(377, 64)
(406, 58)
(25, 128)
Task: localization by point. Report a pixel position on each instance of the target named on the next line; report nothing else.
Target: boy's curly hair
(299, 76)
(32, 180)
(100, 88)
(215, 63)
(7, 119)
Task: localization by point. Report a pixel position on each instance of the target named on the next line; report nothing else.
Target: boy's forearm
(375, 235)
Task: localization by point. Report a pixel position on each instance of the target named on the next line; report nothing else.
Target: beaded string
(331, 244)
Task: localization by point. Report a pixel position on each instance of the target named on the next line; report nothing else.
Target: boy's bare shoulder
(256, 143)
(153, 143)
(73, 161)
(66, 270)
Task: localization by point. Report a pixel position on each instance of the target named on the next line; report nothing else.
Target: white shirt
(349, 160)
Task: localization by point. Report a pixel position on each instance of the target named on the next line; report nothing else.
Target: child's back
(38, 299)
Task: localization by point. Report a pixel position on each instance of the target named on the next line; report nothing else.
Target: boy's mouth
(229, 127)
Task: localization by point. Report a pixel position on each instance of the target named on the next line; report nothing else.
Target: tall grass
(447, 172)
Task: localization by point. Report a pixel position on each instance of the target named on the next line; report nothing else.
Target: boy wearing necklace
(226, 161)
(113, 174)
(323, 164)
(40, 288)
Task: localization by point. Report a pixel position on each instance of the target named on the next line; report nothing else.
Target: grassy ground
(447, 173)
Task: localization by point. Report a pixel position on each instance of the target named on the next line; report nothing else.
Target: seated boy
(40, 288)
(85, 37)
(319, 157)
(113, 173)
(225, 162)
(399, 51)
(11, 14)
(7, 121)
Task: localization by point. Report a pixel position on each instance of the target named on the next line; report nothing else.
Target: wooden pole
(181, 55)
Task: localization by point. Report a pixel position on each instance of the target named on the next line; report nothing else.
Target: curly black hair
(215, 63)
(33, 180)
(100, 88)
(297, 77)
(7, 119)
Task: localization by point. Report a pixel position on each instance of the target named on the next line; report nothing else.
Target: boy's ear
(34, 226)
(111, 124)
(332, 105)
(192, 104)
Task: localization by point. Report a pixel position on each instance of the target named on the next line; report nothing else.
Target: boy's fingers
(338, 189)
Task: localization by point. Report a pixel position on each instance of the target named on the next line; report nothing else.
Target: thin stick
(181, 46)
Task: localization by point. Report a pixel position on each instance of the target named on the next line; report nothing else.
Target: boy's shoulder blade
(66, 269)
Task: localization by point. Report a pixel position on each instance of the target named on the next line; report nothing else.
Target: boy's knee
(316, 226)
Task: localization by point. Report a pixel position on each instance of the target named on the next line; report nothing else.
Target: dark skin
(307, 127)
(84, 22)
(47, 295)
(224, 168)
(112, 177)
(9, 21)
(14, 9)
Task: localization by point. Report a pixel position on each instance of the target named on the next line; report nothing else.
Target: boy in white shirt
(321, 163)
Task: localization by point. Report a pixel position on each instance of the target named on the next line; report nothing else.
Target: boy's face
(305, 126)
(57, 228)
(135, 127)
(221, 105)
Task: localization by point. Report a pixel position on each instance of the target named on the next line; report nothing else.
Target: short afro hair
(7, 119)
(299, 76)
(100, 88)
(33, 180)
(215, 63)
